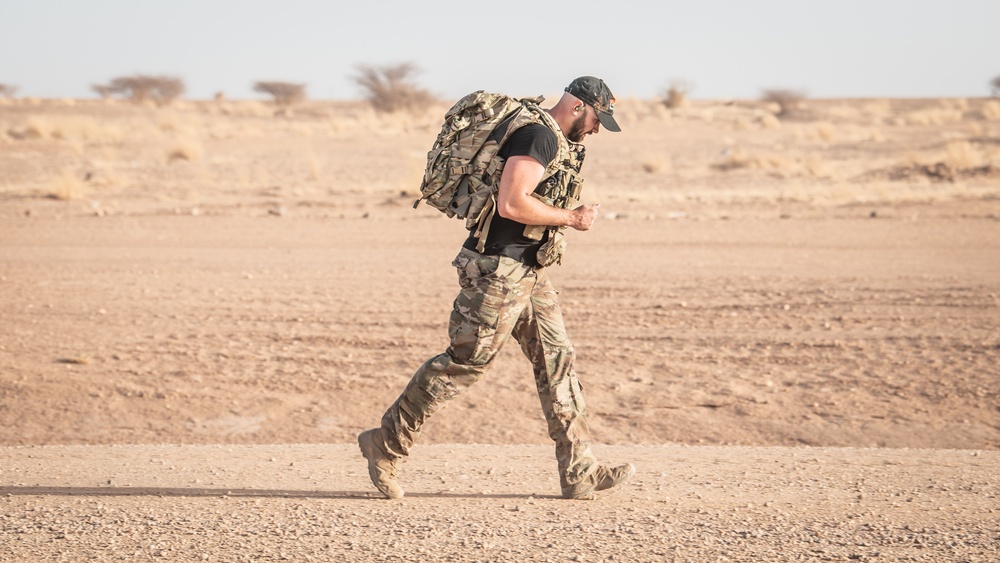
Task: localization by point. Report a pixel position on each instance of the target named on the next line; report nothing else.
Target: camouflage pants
(500, 297)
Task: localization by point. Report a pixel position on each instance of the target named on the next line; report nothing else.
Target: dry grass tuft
(960, 104)
(736, 158)
(741, 124)
(777, 164)
(183, 126)
(991, 110)
(938, 116)
(66, 186)
(826, 131)
(76, 128)
(962, 155)
(37, 128)
(185, 149)
(861, 134)
(314, 167)
(655, 163)
(815, 166)
(843, 113)
(769, 121)
(659, 112)
(62, 127)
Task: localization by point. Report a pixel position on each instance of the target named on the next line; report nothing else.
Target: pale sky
(727, 49)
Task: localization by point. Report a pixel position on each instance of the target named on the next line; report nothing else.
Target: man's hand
(514, 199)
(583, 217)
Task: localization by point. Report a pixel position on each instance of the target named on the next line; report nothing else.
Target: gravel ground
(496, 503)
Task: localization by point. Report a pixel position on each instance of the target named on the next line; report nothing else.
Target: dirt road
(496, 503)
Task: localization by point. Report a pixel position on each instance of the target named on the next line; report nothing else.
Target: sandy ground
(792, 328)
(827, 331)
(496, 503)
(840, 330)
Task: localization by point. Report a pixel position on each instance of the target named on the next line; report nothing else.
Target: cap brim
(608, 121)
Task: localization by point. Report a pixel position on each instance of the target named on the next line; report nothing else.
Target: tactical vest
(562, 189)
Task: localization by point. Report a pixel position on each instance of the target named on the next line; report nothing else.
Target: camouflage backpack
(463, 169)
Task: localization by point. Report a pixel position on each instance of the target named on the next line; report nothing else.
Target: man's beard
(577, 130)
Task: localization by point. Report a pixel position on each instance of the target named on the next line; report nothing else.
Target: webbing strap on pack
(485, 219)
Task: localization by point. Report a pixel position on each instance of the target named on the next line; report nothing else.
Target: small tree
(102, 90)
(141, 87)
(995, 85)
(391, 88)
(676, 94)
(787, 100)
(285, 94)
(7, 90)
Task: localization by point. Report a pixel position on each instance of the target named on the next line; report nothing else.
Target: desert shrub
(7, 90)
(995, 86)
(140, 88)
(284, 94)
(676, 93)
(787, 100)
(391, 88)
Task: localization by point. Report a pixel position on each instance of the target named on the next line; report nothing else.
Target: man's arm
(521, 174)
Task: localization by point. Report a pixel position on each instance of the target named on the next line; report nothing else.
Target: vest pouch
(551, 252)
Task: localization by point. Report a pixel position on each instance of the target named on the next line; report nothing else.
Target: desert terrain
(791, 325)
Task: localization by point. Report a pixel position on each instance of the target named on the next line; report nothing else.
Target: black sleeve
(534, 140)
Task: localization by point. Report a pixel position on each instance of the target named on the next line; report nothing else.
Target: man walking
(505, 291)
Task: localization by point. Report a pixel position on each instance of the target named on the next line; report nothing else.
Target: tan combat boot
(381, 466)
(602, 479)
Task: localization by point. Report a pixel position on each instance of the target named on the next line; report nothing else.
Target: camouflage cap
(595, 93)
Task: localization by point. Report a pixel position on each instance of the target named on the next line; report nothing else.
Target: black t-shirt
(506, 237)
